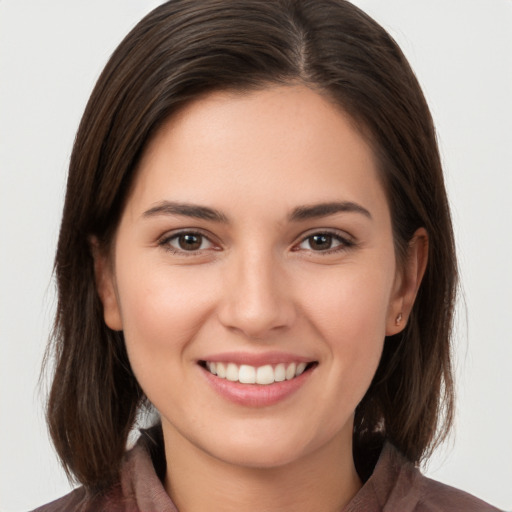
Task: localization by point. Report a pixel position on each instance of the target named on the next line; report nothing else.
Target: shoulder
(73, 501)
(436, 496)
(139, 486)
(396, 484)
(80, 501)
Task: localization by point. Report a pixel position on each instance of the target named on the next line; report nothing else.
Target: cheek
(350, 300)
(161, 312)
(348, 308)
(159, 301)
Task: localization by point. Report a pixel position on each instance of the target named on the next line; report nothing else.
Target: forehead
(288, 143)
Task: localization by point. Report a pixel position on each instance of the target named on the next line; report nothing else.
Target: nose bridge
(256, 300)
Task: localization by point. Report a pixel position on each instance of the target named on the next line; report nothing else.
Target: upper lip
(252, 359)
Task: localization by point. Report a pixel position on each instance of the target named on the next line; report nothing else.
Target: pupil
(190, 242)
(321, 242)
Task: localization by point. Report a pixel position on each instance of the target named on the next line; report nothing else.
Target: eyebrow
(324, 209)
(298, 214)
(186, 210)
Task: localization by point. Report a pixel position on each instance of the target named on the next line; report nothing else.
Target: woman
(256, 240)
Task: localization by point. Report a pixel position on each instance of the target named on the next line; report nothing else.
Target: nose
(257, 296)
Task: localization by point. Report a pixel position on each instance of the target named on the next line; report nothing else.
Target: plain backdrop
(51, 53)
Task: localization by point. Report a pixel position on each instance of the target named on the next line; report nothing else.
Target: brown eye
(190, 242)
(325, 242)
(187, 242)
(320, 242)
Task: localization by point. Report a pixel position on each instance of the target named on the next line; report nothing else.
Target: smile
(261, 380)
(263, 375)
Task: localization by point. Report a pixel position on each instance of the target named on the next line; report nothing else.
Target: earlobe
(408, 282)
(105, 286)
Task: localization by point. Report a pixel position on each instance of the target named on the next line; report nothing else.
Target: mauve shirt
(395, 485)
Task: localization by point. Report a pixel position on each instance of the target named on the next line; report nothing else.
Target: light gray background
(51, 53)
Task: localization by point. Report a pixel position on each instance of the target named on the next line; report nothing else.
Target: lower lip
(256, 395)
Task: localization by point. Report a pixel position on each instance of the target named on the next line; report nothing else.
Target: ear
(106, 286)
(407, 283)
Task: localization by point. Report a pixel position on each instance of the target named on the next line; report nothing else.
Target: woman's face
(256, 241)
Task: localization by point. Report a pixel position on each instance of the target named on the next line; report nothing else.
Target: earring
(398, 319)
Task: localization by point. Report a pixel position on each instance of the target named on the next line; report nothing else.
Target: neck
(325, 480)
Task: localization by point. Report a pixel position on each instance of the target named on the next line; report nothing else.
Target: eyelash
(165, 242)
(344, 243)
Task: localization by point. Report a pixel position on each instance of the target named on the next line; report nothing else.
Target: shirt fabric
(395, 485)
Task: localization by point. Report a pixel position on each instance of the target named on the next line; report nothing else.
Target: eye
(325, 242)
(187, 241)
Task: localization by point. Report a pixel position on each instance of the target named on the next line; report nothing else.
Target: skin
(258, 283)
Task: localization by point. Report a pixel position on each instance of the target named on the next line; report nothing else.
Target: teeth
(221, 370)
(247, 374)
(300, 368)
(290, 371)
(232, 372)
(263, 375)
(212, 367)
(280, 372)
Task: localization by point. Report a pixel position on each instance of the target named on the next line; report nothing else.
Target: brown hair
(185, 49)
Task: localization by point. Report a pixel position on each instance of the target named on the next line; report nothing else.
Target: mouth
(261, 375)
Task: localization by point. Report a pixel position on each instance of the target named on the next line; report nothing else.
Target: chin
(258, 455)
(266, 448)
